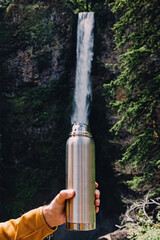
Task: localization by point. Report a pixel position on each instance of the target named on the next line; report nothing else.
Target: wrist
(47, 214)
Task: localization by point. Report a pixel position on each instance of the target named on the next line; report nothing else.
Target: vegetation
(83, 5)
(28, 152)
(145, 232)
(4, 3)
(33, 25)
(137, 39)
(142, 219)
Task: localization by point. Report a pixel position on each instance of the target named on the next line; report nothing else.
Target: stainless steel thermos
(80, 176)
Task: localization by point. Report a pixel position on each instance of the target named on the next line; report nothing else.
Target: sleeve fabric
(30, 226)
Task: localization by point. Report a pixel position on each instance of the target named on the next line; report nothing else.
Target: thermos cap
(80, 129)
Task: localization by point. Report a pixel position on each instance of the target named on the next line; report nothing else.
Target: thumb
(65, 194)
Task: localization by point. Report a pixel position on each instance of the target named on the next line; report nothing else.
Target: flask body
(80, 176)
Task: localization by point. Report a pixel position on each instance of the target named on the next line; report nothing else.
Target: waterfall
(83, 93)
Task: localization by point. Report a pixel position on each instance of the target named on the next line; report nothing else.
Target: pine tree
(137, 37)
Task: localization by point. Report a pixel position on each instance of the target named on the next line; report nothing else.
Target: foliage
(27, 185)
(80, 5)
(145, 232)
(144, 229)
(36, 28)
(137, 38)
(35, 129)
(76, 6)
(3, 30)
(135, 183)
(5, 3)
(34, 23)
(142, 219)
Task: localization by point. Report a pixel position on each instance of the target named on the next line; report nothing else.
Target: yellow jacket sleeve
(30, 226)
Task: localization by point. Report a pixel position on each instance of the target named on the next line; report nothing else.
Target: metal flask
(80, 176)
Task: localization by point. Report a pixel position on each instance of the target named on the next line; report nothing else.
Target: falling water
(82, 94)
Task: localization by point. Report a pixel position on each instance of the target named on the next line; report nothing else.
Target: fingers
(65, 194)
(97, 200)
(97, 194)
(69, 193)
(97, 209)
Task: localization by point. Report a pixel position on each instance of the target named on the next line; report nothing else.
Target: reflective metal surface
(80, 175)
(80, 226)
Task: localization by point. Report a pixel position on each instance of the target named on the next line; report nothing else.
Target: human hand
(54, 213)
(97, 196)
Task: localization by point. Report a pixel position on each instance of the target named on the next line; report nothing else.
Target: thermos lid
(80, 129)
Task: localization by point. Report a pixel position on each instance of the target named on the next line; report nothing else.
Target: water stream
(83, 92)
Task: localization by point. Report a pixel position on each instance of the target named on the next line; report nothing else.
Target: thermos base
(80, 226)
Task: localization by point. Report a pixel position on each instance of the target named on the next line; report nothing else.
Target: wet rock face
(42, 34)
(23, 67)
(35, 67)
